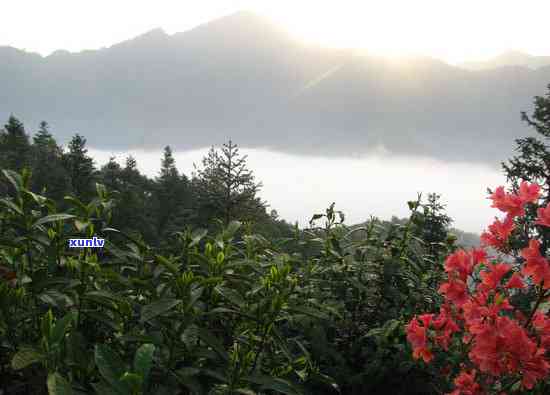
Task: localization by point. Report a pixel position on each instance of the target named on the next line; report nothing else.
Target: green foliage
(231, 312)
(152, 210)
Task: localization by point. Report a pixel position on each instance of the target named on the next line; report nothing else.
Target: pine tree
(15, 149)
(226, 188)
(532, 164)
(80, 168)
(533, 161)
(49, 177)
(111, 175)
(173, 197)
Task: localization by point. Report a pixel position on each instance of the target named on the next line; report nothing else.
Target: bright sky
(447, 29)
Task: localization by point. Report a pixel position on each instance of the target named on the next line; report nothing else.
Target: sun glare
(450, 30)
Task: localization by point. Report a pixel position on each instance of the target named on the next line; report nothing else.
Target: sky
(453, 31)
(379, 184)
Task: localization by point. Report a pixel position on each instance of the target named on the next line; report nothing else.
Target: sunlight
(449, 30)
(454, 31)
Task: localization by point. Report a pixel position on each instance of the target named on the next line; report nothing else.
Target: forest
(200, 288)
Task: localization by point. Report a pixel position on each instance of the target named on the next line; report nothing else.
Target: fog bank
(379, 184)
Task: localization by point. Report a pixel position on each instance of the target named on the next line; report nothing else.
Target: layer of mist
(379, 184)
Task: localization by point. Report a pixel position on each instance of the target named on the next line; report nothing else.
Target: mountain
(242, 77)
(509, 58)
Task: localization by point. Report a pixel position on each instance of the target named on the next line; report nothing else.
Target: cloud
(378, 184)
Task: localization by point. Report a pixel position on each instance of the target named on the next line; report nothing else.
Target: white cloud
(378, 184)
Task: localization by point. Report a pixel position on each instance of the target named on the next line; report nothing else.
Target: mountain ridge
(242, 77)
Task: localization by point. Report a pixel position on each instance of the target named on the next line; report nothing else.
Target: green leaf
(103, 298)
(101, 190)
(26, 357)
(232, 228)
(56, 299)
(9, 204)
(52, 218)
(157, 308)
(307, 311)
(195, 294)
(167, 264)
(231, 295)
(316, 217)
(110, 366)
(133, 381)
(197, 236)
(107, 320)
(57, 385)
(40, 200)
(14, 178)
(143, 360)
(213, 342)
(80, 226)
(77, 203)
(60, 328)
(274, 384)
(102, 388)
(188, 371)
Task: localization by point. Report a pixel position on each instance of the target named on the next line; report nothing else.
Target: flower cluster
(499, 345)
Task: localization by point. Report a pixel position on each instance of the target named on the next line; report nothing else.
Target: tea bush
(226, 313)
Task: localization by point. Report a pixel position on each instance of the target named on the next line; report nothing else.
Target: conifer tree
(173, 197)
(226, 188)
(80, 168)
(533, 160)
(15, 149)
(532, 164)
(49, 177)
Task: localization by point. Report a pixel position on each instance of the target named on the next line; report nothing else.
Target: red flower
(536, 368)
(509, 203)
(543, 216)
(498, 233)
(455, 291)
(536, 265)
(474, 312)
(445, 327)
(529, 193)
(466, 385)
(491, 278)
(461, 263)
(499, 343)
(516, 281)
(541, 323)
(418, 338)
(479, 255)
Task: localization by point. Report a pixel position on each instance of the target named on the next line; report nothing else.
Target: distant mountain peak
(59, 53)
(508, 58)
(152, 39)
(152, 35)
(156, 32)
(240, 27)
(244, 18)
